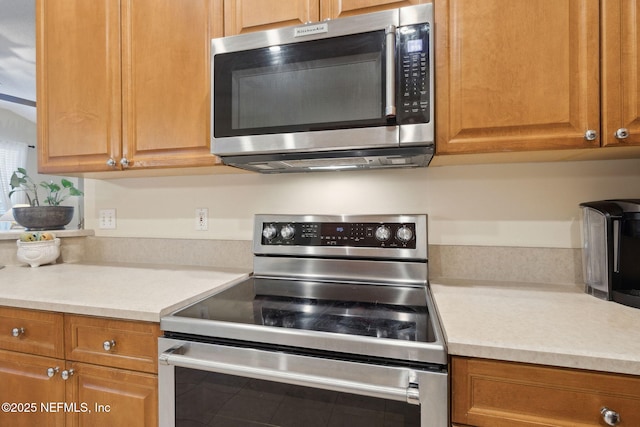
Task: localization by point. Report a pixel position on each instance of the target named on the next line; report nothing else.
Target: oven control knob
(287, 232)
(269, 232)
(404, 234)
(383, 233)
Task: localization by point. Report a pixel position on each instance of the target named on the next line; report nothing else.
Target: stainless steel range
(336, 326)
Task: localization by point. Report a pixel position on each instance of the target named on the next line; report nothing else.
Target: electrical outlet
(202, 220)
(107, 219)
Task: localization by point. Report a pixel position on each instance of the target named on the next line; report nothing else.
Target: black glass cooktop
(379, 311)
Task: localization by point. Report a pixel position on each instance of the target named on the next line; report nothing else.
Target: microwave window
(314, 85)
(347, 88)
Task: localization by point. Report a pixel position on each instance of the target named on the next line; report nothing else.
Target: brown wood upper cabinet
(243, 16)
(124, 83)
(527, 75)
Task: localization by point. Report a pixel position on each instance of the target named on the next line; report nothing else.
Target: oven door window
(316, 85)
(214, 399)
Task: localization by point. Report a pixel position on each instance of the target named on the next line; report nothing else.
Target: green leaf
(66, 183)
(17, 181)
(75, 192)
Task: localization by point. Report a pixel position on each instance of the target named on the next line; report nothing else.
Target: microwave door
(329, 93)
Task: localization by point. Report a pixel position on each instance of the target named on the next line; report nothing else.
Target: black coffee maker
(611, 250)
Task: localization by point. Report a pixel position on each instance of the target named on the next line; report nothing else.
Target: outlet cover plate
(202, 219)
(107, 219)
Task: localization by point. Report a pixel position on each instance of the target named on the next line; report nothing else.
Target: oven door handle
(409, 394)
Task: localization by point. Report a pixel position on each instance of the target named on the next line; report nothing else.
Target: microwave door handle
(616, 245)
(390, 64)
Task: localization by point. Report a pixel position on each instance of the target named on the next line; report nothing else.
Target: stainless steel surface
(390, 69)
(337, 28)
(357, 271)
(387, 382)
(124, 162)
(108, 345)
(16, 332)
(379, 147)
(590, 135)
(300, 269)
(351, 158)
(111, 162)
(610, 417)
(302, 142)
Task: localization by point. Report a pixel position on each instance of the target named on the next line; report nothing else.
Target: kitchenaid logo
(310, 29)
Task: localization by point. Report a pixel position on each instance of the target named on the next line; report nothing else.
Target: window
(12, 156)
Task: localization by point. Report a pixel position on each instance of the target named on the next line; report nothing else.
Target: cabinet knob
(52, 371)
(124, 162)
(622, 133)
(611, 417)
(590, 135)
(111, 163)
(108, 345)
(66, 374)
(16, 332)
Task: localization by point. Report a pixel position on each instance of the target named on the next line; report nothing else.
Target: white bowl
(38, 253)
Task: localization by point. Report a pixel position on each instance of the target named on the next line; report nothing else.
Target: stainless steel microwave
(348, 93)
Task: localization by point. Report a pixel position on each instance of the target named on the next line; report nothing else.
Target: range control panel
(357, 234)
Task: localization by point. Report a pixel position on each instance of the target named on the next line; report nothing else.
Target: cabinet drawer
(118, 343)
(36, 332)
(496, 394)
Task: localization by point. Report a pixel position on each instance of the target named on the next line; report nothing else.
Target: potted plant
(49, 216)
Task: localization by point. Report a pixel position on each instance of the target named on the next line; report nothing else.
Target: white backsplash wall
(525, 204)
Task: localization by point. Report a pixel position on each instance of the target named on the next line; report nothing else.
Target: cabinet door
(516, 75)
(244, 16)
(32, 396)
(332, 9)
(78, 84)
(620, 72)
(111, 397)
(166, 81)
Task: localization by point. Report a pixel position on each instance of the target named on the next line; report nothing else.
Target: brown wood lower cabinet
(99, 372)
(25, 387)
(499, 394)
(112, 397)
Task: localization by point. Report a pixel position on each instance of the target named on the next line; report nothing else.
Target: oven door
(223, 385)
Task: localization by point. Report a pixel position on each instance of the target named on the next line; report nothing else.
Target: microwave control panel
(415, 80)
(363, 235)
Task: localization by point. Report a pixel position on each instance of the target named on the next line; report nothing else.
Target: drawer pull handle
(52, 371)
(611, 417)
(16, 332)
(66, 374)
(108, 345)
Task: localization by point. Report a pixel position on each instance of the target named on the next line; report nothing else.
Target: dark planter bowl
(43, 217)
